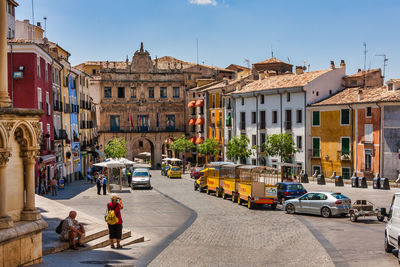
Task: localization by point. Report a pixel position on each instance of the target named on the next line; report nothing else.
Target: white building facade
(11, 5)
(277, 104)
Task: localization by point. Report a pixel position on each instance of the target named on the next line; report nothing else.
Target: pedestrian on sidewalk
(98, 183)
(54, 183)
(71, 229)
(115, 230)
(104, 183)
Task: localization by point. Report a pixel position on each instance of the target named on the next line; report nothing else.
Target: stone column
(5, 220)
(30, 213)
(5, 100)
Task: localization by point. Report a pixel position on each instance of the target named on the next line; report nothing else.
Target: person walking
(115, 229)
(98, 183)
(54, 186)
(129, 174)
(104, 183)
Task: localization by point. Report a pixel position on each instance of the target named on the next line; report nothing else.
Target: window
(390, 87)
(368, 160)
(47, 72)
(151, 92)
(242, 101)
(288, 122)
(299, 116)
(253, 140)
(170, 121)
(38, 66)
(213, 101)
(242, 120)
(316, 169)
(114, 123)
(262, 141)
(121, 92)
(345, 117)
(220, 119)
(369, 112)
(140, 144)
(262, 99)
(299, 142)
(262, 119)
(107, 92)
(133, 92)
(220, 101)
(194, 95)
(288, 97)
(316, 118)
(368, 132)
(176, 92)
(253, 161)
(163, 92)
(48, 103)
(345, 146)
(253, 117)
(274, 116)
(48, 139)
(93, 71)
(40, 106)
(316, 147)
(345, 173)
(229, 135)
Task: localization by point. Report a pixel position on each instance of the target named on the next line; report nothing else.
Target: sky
(306, 32)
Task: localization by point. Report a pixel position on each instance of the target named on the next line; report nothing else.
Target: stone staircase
(96, 230)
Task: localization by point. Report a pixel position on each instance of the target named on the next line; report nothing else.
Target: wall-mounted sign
(18, 75)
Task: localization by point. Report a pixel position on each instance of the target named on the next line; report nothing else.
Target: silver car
(141, 178)
(326, 204)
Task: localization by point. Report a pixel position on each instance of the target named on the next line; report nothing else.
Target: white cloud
(203, 2)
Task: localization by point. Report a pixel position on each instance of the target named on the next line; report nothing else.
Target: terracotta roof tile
(272, 60)
(369, 94)
(282, 81)
(361, 73)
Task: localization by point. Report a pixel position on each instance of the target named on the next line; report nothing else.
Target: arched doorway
(166, 148)
(143, 149)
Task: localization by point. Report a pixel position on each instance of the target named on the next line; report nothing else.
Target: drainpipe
(12, 75)
(256, 96)
(381, 161)
(280, 101)
(351, 135)
(305, 132)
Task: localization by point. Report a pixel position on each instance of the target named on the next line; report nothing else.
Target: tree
(238, 148)
(116, 148)
(182, 145)
(280, 145)
(208, 148)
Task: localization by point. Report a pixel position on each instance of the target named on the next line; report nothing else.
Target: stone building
(10, 6)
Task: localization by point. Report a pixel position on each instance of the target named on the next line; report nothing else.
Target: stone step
(105, 241)
(58, 246)
(135, 238)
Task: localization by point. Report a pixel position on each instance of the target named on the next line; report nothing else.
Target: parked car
(141, 178)
(164, 170)
(326, 204)
(392, 231)
(195, 173)
(174, 172)
(290, 190)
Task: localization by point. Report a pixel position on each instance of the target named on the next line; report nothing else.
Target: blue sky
(229, 31)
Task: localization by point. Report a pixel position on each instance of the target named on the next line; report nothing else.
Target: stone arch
(151, 146)
(3, 138)
(27, 135)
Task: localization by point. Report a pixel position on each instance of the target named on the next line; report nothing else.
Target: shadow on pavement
(70, 190)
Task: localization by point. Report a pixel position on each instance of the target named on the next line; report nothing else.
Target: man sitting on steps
(71, 229)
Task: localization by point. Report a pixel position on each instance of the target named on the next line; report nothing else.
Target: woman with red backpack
(114, 220)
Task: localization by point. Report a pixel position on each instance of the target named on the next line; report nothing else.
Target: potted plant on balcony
(345, 157)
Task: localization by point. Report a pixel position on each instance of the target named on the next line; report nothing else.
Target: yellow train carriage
(215, 180)
(201, 183)
(231, 181)
(257, 185)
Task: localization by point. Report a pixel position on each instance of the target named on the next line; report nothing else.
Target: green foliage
(280, 145)
(238, 148)
(116, 148)
(182, 145)
(208, 148)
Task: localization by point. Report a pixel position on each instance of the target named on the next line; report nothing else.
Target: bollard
(339, 181)
(385, 184)
(354, 181)
(321, 179)
(376, 183)
(362, 182)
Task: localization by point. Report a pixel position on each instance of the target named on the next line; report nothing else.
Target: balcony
(315, 153)
(262, 125)
(344, 155)
(288, 125)
(141, 129)
(212, 125)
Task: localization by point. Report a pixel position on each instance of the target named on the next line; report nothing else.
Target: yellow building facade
(216, 118)
(331, 140)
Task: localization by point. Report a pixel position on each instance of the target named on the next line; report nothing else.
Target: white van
(392, 231)
(141, 178)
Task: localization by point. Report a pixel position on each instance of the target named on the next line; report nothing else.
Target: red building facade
(30, 86)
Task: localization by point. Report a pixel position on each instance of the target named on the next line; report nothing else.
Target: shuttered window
(316, 118)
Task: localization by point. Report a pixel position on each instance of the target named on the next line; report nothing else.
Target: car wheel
(223, 195)
(233, 197)
(388, 247)
(326, 212)
(195, 186)
(273, 206)
(290, 209)
(239, 201)
(208, 191)
(217, 192)
(250, 204)
(353, 217)
(380, 218)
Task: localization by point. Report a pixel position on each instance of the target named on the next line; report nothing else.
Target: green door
(316, 148)
(346, 146)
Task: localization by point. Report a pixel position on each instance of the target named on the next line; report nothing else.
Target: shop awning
(200, 121)
(192, 122)
(47, 158)
(200, 103)
(199, 140)
(192, 139)
(192, 104)
(101, 154)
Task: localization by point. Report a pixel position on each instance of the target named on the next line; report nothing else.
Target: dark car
(290, 190)
(195, 173)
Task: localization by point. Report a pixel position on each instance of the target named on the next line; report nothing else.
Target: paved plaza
(188, 228)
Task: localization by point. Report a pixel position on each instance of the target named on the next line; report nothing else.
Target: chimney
(360, 95)
(299, 70)
(359, 70)
(39, 25)
(272, 73)
(332, 65)
(342, 64)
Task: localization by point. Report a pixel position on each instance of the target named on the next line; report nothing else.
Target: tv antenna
(45, 27)
(385, 60)
(365, 55)
(247, 62)
(272, 52)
